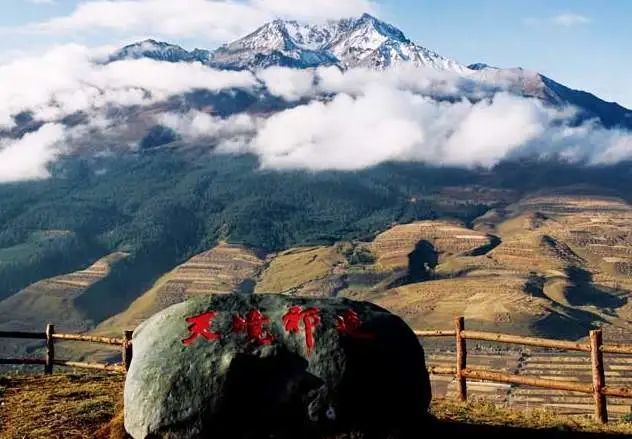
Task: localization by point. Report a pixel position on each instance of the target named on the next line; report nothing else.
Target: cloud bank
(410, 114)
(386, 124)
(26, 158)
(331, 119)
(70, 79)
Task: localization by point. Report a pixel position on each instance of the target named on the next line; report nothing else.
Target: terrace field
(553, 264)
(223, 269)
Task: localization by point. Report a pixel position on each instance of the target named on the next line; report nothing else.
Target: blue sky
(582, 43)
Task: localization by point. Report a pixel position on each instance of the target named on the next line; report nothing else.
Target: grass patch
(483, 412)
(79, 406)
(58, 406)
(294, 268)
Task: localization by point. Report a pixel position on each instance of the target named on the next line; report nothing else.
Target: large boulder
(254, 365)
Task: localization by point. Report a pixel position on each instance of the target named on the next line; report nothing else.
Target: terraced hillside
(309, 271)
(223, 269)
(53, 300)
(393, 248)
(579, 246)
(551, 264)
(542, 364)
(488, 302)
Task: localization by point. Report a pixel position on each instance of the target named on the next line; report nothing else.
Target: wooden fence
(49, 335)
(461, 372)
(595, 347)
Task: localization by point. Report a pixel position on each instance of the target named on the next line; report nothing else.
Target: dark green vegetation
(158, 135)
(31, 254)
(163, 206)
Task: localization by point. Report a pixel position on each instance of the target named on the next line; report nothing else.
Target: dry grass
(497, 303)
(221, 269)
(73, 405)
(393, 246)
(78, 405)
(292, 270)
(51, 300)
(482, 412)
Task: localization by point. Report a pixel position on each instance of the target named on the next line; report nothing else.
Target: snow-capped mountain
(369, 42)
(159, 51)
(274, 44)
(364, 41)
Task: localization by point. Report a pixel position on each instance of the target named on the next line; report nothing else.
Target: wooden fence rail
(595, 347)
(50, 336)
(461, 372)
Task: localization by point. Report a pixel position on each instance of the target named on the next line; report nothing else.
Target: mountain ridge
(351, 42)
(368, 42)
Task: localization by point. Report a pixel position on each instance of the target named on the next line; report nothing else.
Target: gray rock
(258, 371)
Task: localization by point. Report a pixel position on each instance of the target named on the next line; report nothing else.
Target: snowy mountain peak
(154, 50)
(383, 28)
(284, 43)
(365, 41)
(352, 42)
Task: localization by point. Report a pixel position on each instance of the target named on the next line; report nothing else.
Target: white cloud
(197, 124)
(570, 19)
(588, 143)
(289, 84)
(388, 124)
(67, 79)
(491, 130)
(354, 119)
(382, 116)
(619, 147)
(27, 158)
(426, 81)
(345, 133)
(293, 84)
(217, 20)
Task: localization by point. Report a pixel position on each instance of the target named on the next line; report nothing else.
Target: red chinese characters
(200, 326)
(348, 323)
(253, 325)
(294, 321)
(309, 317)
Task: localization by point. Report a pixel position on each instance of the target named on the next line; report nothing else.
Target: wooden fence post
(127, 349)
(598, 376)
(461, 359)
(50, 349)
